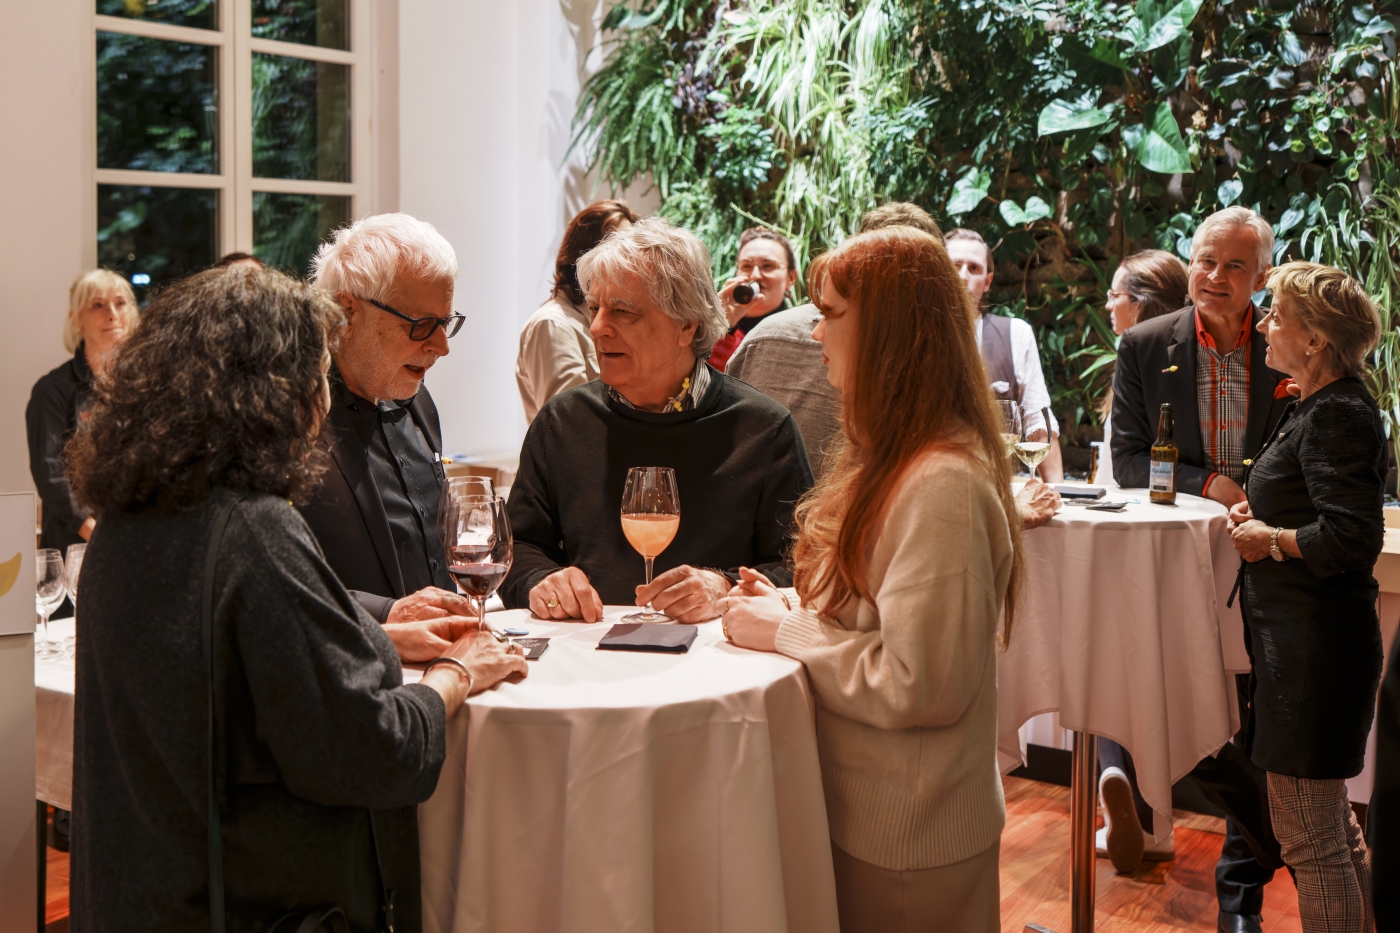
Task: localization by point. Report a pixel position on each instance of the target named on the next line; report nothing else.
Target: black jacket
(740, 469)
(347, 515)
(1313, 636)
(1143, 380)
(313, 727)
(51, 418)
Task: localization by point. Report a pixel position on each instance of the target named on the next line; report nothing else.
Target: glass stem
(44, 618)
(650, 611)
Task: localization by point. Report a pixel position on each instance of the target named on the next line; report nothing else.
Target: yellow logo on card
(9, 573)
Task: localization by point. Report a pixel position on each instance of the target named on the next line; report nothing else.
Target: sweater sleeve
(787, 479)
(339, 724)
(46, 419)
(534, 522)
(1340, 453)
(938, 607)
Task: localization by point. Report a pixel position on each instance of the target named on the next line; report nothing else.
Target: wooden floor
(1160, 897)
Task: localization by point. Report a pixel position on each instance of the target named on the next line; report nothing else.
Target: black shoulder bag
(332, 919)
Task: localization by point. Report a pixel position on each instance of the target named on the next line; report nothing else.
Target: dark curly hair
(219, 385)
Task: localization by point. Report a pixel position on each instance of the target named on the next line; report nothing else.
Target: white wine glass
(477, 539)
(72, 570)
(1030, 452)
(651, 515)
(1010, 424)
(48, 594)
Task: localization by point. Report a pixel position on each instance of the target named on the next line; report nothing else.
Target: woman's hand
(566, 594)
(1037, 502)
(487, 660)
(426, 639)
(753, 611)
(733, 311)
(1252, 539)
(1240, 513)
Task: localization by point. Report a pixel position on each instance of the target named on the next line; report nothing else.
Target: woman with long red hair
(907, 557)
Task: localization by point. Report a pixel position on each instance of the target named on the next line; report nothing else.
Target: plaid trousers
(1322, 843)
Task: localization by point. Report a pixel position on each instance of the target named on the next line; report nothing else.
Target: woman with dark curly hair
(303, 748)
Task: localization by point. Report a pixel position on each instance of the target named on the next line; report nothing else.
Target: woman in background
(101, 311)
(766, 259)
(906, 557)
(556, 350)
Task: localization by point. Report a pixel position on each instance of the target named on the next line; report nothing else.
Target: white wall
(487, 93)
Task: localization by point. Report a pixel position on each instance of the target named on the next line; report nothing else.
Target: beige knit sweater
(906, 688)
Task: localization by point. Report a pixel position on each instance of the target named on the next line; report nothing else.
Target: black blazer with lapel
(346, 513)
(1156, 364)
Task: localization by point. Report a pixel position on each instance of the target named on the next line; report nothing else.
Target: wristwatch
(1274, 551)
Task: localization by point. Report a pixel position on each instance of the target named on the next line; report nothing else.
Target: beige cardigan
(906, 689)
(556, 353)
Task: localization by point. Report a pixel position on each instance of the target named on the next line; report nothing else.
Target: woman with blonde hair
(101, 311)
(907, 557)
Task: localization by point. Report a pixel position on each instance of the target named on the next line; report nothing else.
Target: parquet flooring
(1161, 897)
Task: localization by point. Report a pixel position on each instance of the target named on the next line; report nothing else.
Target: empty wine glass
(1010, 424)
(1032, 452)
(651, 515)
(48, 594)
(477, 540)
(73, 568)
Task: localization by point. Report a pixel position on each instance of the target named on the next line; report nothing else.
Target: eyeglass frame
(453, 320)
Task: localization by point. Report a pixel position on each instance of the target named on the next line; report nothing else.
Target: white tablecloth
(53, 710)
(1123, 630)
(623, 791)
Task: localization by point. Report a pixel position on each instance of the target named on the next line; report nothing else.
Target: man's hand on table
(429, 603)
(426, 639)
(566, 594)
(753, 611)
(1037, 502)
(686, 593)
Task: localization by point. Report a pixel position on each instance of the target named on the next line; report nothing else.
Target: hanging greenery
(1070, 133)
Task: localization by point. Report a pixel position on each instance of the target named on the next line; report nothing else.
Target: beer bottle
(1161, 482)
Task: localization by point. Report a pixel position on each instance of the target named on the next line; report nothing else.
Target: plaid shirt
(1222, 399)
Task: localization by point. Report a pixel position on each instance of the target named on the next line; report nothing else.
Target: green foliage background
(1070, 133)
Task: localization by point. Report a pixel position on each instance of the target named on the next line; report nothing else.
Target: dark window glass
(301, 119)
(287, 228)
(307, 22)
(200, 14)
(157, 105)
(155, 235)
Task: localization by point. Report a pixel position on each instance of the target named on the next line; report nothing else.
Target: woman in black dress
(320, 753)
(1310, 534)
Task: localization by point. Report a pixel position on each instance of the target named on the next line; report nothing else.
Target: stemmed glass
(1010, 424)
(651, 514)
(477, 540)
(74, 567)
(467, 486)
(48, 594)
(1032, 452)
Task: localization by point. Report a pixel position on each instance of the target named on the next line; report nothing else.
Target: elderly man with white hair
(375, 512)
(1207, 360)
(738, 456)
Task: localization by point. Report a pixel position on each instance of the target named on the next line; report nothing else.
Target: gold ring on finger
(553, 602)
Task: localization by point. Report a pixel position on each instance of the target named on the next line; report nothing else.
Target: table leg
(41, 827)
(1084, 769)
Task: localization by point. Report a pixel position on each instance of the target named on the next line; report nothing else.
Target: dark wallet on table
(643, 636)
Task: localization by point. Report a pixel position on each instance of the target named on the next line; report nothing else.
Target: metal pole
(41, 824)
(1084, 769)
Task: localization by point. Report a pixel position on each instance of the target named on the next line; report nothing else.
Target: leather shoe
(1240, 923)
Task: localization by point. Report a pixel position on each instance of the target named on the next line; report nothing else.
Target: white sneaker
(1151, 851)
(1122, 833)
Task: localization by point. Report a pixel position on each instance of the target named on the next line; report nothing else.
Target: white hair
(1239, 217)
(674, 267)
(367, 257)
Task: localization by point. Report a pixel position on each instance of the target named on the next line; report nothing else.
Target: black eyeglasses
(423, 327)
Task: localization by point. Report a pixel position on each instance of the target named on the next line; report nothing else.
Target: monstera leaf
(1157, 142)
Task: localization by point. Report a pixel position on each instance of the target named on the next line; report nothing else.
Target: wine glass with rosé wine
(651, 514)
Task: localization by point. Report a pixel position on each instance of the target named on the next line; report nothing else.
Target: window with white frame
(228, 126)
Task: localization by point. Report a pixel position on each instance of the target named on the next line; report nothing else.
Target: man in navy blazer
(375, 513)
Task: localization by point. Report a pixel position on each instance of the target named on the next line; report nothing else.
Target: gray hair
(1239, 217)
(675, 268)
(366, 258)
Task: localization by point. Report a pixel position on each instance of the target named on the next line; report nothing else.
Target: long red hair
(917, 381)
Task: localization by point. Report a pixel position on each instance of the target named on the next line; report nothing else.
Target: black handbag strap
(334, 918)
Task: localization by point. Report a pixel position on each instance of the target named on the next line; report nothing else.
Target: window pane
(301, 119)
(155, 235)
(287, 228)
(308, 22)
(200, 14)
(157, 104)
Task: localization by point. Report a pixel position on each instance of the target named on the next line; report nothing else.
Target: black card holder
(644, 636)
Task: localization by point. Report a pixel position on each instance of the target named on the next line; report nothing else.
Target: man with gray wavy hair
(738, 456)
(375, 513)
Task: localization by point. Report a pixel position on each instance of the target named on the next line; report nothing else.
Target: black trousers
(1238, 787)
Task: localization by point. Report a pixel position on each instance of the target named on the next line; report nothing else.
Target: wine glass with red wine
(477, 540)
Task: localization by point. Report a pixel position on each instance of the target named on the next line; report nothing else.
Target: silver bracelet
(471, 682)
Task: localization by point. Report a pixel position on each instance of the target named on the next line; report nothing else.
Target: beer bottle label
(1162, 477)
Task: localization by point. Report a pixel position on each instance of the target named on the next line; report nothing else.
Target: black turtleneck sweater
(740, 468)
